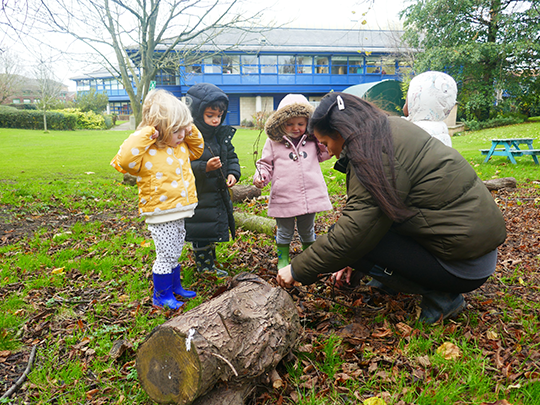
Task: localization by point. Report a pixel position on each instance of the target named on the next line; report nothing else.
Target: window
(231, 64)
(194, 69)
(373, 65)
(404, 67)
(120, 108)
(321, 64)
(27, 101)
(16, 101)
(166, 77)
(356, 64)
(250, 64)
(339, 65)
(286, 64)
(83, 85)
(388, 66)
(268, 63)
(304, 64)
(212, 64)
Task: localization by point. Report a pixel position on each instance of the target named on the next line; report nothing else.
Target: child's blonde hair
(163, 111)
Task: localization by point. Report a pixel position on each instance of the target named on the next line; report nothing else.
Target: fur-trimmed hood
(292, 106)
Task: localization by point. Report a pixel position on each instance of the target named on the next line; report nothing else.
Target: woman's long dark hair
(367, 135)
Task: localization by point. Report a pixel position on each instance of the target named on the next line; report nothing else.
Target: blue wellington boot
(163, 292)
(177, 284)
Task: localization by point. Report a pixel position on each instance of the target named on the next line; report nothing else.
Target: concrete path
(121, 127)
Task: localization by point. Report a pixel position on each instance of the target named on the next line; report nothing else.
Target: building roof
(100, 74)
(304, 40)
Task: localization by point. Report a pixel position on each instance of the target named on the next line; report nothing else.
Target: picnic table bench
(510, 149)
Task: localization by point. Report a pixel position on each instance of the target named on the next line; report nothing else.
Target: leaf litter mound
(364, 319)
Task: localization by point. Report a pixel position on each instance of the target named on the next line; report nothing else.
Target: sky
(349, 14)
(377, 14)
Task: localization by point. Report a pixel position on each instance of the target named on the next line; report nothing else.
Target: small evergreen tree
(92, 101)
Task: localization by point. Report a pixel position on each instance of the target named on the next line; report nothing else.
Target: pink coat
(298, 185)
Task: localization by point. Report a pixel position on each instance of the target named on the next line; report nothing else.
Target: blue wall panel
(269, 79)
(231, 79)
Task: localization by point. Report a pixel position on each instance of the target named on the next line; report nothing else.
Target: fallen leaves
(449, 351)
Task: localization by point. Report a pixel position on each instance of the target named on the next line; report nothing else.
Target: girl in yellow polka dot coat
(159, 154)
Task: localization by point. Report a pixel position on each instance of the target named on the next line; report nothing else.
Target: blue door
(233, 115)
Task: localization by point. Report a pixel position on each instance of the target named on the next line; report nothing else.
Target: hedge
(27, 119)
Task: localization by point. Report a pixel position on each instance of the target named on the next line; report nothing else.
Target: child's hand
(258, 182)
(155, 134)
(231, 180)
(213, 164)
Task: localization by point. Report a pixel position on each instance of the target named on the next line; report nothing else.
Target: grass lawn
(75, 277)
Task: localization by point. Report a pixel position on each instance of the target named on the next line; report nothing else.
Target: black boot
(204, 258)
(435, 304)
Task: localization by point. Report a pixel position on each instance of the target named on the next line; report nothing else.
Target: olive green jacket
(456, 217)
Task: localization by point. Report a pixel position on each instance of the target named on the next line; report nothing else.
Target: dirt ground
(521, 209)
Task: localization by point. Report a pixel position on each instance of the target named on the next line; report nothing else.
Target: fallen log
(242, 192)
(497, 184)
(237, 337)
(255, 223)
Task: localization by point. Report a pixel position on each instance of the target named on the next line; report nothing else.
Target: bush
(109, 121)
(29, 119)
(499, 121)
(247, 123)
(259, 119)
(24, 106)
(88, 120)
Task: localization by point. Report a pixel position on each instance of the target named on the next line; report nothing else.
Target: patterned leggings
(169, 240)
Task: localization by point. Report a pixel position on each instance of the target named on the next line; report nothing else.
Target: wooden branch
(23, 377)
(497, 184)
(255, 223)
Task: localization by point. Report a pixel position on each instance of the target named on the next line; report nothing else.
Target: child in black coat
(215, 171)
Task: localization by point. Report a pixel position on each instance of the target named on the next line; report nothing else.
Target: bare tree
(10, 76)
(136, 39)
(49, 89)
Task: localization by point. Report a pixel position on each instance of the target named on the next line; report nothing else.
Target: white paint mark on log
(191, 333)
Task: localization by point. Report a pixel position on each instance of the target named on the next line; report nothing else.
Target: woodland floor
(363, 308)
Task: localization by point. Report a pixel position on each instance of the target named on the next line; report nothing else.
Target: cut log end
(172, 375)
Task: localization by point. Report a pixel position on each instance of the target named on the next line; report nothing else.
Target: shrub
(109, 121)
(24, 106)
(259, 119)
(29, 119)
(88, 120)
(499, 121)
(247, 123)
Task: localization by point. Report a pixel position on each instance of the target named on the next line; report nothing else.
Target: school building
(256, 70)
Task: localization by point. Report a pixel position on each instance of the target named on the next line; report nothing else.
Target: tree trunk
(45, 121)
(236, 337)
(241, 193)
(255, 223)
(497, 184)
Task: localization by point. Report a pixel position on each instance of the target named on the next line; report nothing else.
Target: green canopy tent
(386, 94)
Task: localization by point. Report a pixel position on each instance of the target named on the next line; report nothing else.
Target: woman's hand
(284, 277)
(343, 276)
(155, 134)
(231, 180)
(213, 164)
